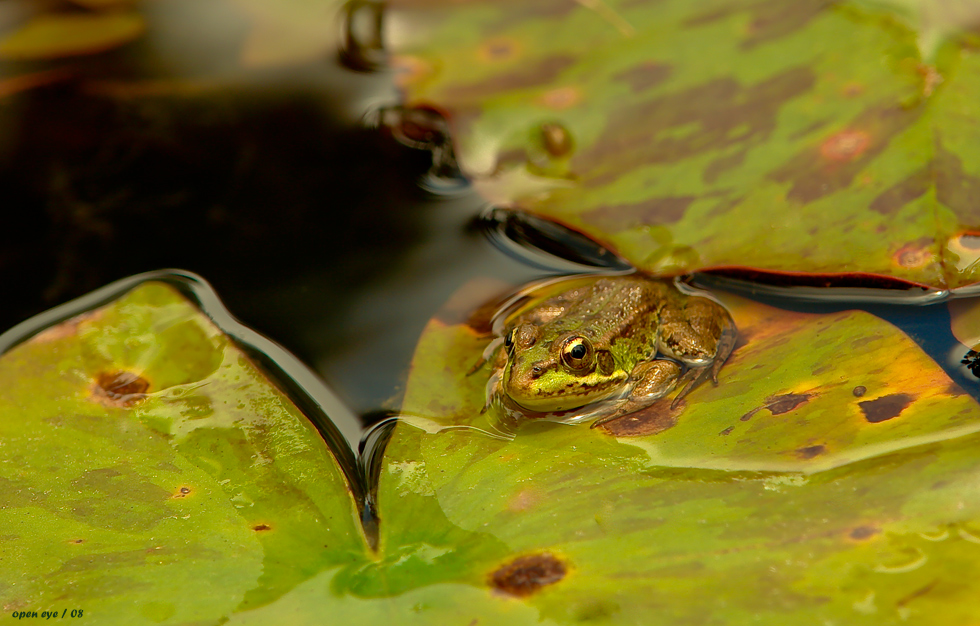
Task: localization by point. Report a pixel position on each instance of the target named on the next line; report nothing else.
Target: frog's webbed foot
(697, 374)
(693, 377)
(653, 380)
(701, 335)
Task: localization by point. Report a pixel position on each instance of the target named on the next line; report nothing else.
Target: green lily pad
(814, 484)
(149, 472)
(808, 137)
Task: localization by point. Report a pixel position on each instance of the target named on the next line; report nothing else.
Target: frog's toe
(691, 379)
(726, 343)
(653, 380)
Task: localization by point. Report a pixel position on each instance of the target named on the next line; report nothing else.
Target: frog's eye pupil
(509, 339)
(575, 353)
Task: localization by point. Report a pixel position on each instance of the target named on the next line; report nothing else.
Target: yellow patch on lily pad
(65, 35)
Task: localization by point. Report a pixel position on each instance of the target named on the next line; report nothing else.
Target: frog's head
(559, 373)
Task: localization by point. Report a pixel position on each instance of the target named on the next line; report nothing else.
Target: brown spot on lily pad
(767, 20)
(859, 391)
(815, 173)
(777, 405)
(119, 389)
(526, 575)
(810, 452)
(653, 211)
(955, 187)
(852, 89)
(410, 70)
(561, 98)
(863, 532)
(524, 500)
(886, 407)
(931, 78)
(261, 527)
(499, 49)
(915, 255)
(905, 191)
(649, 421)
(749, 415)
(528, 75)
(645, 75)
(721, 116)
(183, 492)
(845, 145)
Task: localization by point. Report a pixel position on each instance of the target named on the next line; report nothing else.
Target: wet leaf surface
(142, 454)
(721, 135)
(784, 495)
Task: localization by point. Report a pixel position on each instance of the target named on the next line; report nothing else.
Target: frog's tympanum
(604, 347)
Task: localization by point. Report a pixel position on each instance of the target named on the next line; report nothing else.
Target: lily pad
(143, 451)
(804, 138)
(800, 490)
(150, 472)
(50, 36)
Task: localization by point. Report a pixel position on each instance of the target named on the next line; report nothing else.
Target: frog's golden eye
(576, 353)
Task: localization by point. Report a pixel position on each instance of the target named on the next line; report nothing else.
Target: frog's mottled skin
(619, 343)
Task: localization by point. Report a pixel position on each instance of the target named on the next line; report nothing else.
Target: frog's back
(619, 313)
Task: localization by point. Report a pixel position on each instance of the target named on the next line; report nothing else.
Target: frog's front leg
(649, 381)
(701, 334)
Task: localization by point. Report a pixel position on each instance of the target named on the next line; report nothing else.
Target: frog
(605, 347)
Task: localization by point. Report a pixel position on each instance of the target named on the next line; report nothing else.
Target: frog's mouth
(570, 396)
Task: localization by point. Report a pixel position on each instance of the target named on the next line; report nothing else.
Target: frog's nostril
(536, 371)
